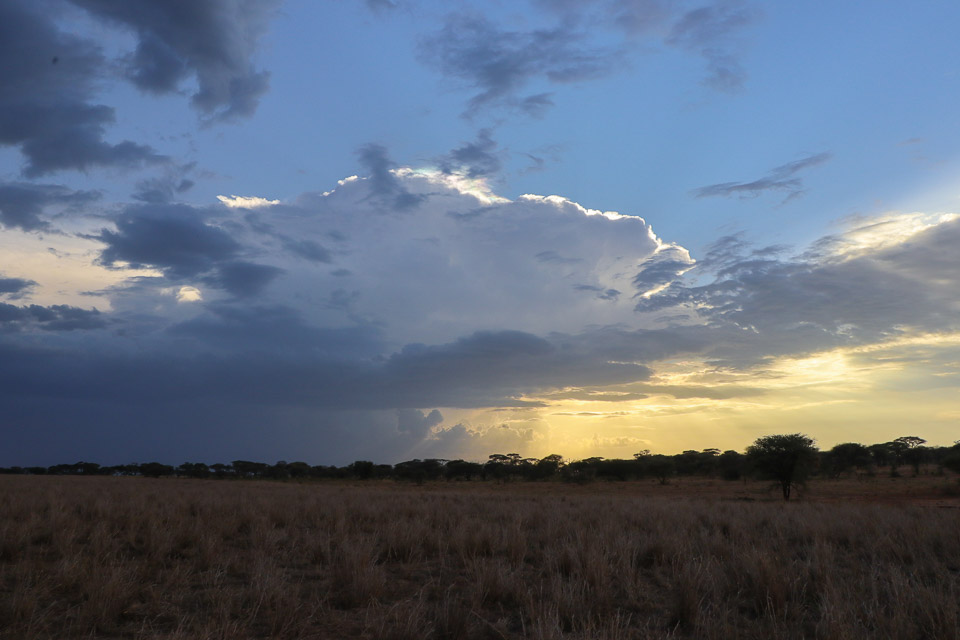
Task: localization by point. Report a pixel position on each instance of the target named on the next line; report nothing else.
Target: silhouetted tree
(462, 470)
(155, 469)
(194, 470)
(951, 461)
(909, 449)
(299, 469)
(547, 467)
(361, 469)
(278, 471)
(787, 459)
(662, 468)
(730, 463)
(418, 470)
(882, 454)
(846, 456)
(247, 469)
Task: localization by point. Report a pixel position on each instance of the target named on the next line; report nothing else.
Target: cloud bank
(329, 313)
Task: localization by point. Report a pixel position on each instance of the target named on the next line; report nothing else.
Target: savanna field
(105, 557)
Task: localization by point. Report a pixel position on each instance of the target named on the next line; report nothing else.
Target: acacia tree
(908, 449)
(786, 459)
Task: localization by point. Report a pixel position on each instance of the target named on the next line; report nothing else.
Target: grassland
(139, 558)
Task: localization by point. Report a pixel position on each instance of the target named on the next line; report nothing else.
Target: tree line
(786, 459)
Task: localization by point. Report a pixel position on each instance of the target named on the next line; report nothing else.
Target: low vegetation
(136, 557)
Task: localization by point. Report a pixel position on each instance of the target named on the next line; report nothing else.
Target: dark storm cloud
(486, 369)
(229, 328)
(21, 204)
(58, 317)
(500, 64)
(172, 238)
(243, 279)
(15, 288)
(211, 41)
(476, 159)
(494, 368)
(783, 178)
(385, 186)
(46, 107)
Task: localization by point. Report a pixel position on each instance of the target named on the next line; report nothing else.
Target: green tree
(786, 459)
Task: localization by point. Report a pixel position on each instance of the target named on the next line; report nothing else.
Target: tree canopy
(787, 459)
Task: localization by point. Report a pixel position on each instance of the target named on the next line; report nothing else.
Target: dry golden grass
(139, 558)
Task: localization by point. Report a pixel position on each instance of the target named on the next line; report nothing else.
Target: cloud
(500, 64)
(229, 328)
(171, 238)
(15, 288)
(417, 423)
(246, 202)
(383, 184)
(58, 317)
(707, 30)
(476, 159)
(783, 178)
(22, 204)
(464, 302)
(166, 187)
(46, 107)
(872, 282)
(381, 5)
(210, 41)
(426, 274)
(243, 279)
(668, 264)
(308, 250)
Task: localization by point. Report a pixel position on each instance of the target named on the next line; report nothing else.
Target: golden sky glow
(869, 393)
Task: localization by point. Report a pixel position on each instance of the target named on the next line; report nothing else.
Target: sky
(338, 230)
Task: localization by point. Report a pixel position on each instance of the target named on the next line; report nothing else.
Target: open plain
(108, 557)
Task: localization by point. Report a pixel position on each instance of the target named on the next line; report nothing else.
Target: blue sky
(339, 230)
